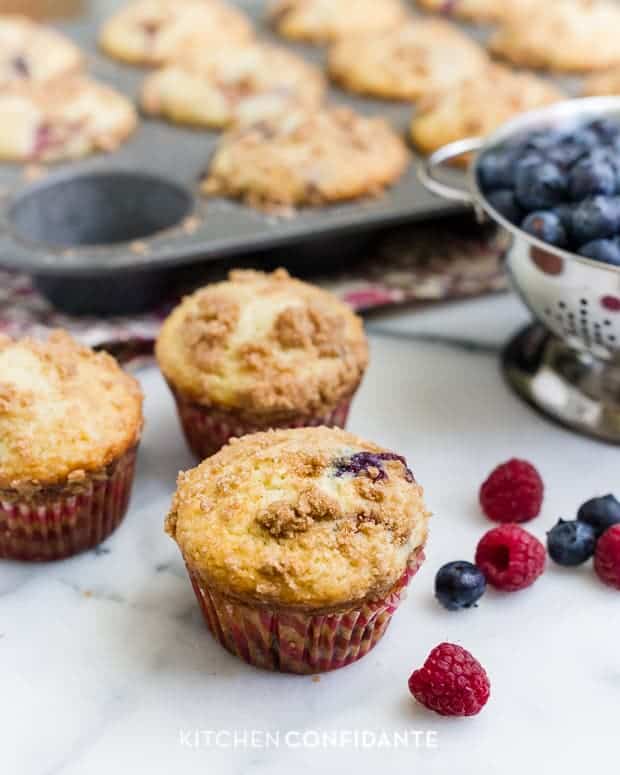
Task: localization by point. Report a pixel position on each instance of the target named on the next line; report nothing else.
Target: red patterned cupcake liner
(62, 520)
(207, 429)
(298, 642)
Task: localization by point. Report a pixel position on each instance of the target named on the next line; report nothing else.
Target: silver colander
(566, 363)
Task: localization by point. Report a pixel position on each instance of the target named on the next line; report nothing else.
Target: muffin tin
(102, 234)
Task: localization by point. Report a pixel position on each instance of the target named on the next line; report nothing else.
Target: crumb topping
(263, 343)
(275, 517)
(303, 157)
(64, 410)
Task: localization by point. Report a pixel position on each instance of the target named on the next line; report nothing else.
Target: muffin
(31, 53)
(306, 158)
(217, 87)
(153, 32)
(260, 351)
(407, 62)
(321, 21)
(299, 544)
(70, 423)
(67, 118)
(568, 36)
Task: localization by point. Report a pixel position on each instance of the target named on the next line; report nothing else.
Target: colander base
(573, 388)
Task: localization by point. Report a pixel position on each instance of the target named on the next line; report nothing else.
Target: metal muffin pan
(102, 234)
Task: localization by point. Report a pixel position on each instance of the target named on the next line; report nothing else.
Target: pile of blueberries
(561, 185)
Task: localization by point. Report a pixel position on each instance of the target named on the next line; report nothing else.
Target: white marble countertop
(106, 665)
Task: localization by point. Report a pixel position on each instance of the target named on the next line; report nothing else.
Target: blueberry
(547, 226)
(571, 543)
(369, 464)
(608, 129)
(595, 218)
(565, 154)
(496, 169)
(586, 137)
(605, 250)
(543, 140)
(564, 211)
(459, 584)
(504, 201)
(600, 513)
(591, 175)
(539, 186)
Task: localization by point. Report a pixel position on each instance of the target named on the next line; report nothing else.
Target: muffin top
(263, 344)
(307, 517)
(64, 410)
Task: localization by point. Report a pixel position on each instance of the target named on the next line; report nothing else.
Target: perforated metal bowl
(567, 363)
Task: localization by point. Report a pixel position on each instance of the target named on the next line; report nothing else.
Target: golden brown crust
(407, 62)
(305, 518)
(302, 157)
(64, 410)
(265, 345)
(566, 36)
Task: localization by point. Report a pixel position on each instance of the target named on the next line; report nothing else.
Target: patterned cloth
(436, 261)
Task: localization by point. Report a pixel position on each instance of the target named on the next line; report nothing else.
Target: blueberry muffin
(320, 21)
(479, 10)
(406, 62)
(477, 106)
(565, 36)
(326, 532)
(66, 118)
(70, 423)
(301, 158)
(151, 32)
(260, 351)
(31, 53)
(214, 87)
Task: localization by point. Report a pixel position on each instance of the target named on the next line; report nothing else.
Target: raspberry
(451, 682)
(607, 557)
(510, 557)
(513, 492)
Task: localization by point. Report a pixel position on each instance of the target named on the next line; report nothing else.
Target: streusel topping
(263, 344)
(64, 410)
(310, 517)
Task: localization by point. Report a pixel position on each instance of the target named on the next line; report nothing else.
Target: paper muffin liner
(208, 429)
(61, 520)
(299, 642)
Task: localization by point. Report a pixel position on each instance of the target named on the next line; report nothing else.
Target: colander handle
(427, 168)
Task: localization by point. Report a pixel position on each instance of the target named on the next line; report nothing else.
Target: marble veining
(106, 665)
